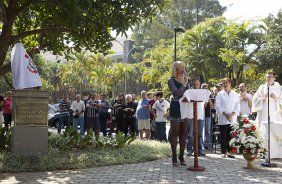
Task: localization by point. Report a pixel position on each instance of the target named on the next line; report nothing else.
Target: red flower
(246, 130)
(253, 128)
(233, 150)
(245, 151)
(234, 134)
(246, 120)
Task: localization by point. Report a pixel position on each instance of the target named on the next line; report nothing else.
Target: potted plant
(246, 140)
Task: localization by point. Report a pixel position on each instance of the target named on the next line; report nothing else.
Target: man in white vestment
(260, 103)
(260, 100)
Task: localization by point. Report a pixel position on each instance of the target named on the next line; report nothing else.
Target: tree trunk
(239, 74)
(6, 34)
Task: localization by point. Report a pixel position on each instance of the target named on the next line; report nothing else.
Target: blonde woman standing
(177, 84)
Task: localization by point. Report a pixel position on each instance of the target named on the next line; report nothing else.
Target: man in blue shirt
(143, 116)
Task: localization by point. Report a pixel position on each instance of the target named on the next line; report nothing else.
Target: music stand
(267, 163)
(195, 96)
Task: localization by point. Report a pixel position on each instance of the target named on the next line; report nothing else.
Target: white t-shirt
(78, 106)
(161, 109)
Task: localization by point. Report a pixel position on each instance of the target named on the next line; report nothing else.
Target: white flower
(242, 134)
(243, 140)
(235, 126)
(253, 151)
(247, 125)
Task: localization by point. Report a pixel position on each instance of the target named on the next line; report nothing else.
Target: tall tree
(270, 56)
(242, 41)
(199, 47)
(180, 13)
(57, 25)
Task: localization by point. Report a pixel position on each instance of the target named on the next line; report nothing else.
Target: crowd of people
(149, 116)
(221, 110)
(146, 117)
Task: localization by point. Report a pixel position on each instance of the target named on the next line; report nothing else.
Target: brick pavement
(218, 170)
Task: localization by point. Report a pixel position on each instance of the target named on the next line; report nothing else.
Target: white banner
(25, 73)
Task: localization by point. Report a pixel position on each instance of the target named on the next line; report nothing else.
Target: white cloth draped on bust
(260, 103)
(186, 108)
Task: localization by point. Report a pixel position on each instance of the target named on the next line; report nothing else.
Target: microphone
(185, 73)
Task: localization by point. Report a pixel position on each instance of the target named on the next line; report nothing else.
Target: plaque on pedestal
(30, 114)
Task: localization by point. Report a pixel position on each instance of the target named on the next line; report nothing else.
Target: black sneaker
(202, 155)
(189, 154)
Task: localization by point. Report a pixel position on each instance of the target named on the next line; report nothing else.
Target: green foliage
(85, 71)
(178, 13)
(212, 50)
(137, 151)
(118, 141)
(270, 55)
(157, 66)
(242, 42)
(5, 138)
(199, 49)
(62, 26)
(70, 140)
(121, 140)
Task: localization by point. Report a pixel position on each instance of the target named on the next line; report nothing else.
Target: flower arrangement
(246, 139)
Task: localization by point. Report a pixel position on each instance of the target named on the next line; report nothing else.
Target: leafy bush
(137, 151)
(119, 141)
(71, 139)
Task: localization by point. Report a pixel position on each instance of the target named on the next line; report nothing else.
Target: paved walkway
(218, 170)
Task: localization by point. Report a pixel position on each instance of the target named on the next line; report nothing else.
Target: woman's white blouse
(227, 103)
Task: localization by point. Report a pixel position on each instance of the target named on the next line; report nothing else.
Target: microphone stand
(267, 163)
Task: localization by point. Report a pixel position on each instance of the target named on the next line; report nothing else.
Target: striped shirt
(64, 107)
(92, 111)
(117, 107)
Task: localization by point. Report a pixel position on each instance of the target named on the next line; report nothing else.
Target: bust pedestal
(30, 114)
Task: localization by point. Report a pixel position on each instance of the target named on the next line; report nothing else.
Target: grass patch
(137, 151)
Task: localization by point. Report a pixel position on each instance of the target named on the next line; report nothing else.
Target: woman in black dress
(178, 84)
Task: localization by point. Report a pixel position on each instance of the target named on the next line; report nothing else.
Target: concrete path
(218, 170)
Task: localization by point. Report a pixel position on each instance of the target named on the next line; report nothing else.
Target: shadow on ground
(218, 170)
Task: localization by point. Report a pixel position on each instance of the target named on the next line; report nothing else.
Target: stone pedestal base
(30, 140)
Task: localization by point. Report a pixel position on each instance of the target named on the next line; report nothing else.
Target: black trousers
(129, 122)
(7, 119)
(225, 137)
(119, 122)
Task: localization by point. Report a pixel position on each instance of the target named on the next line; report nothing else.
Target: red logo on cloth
(31, 66)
